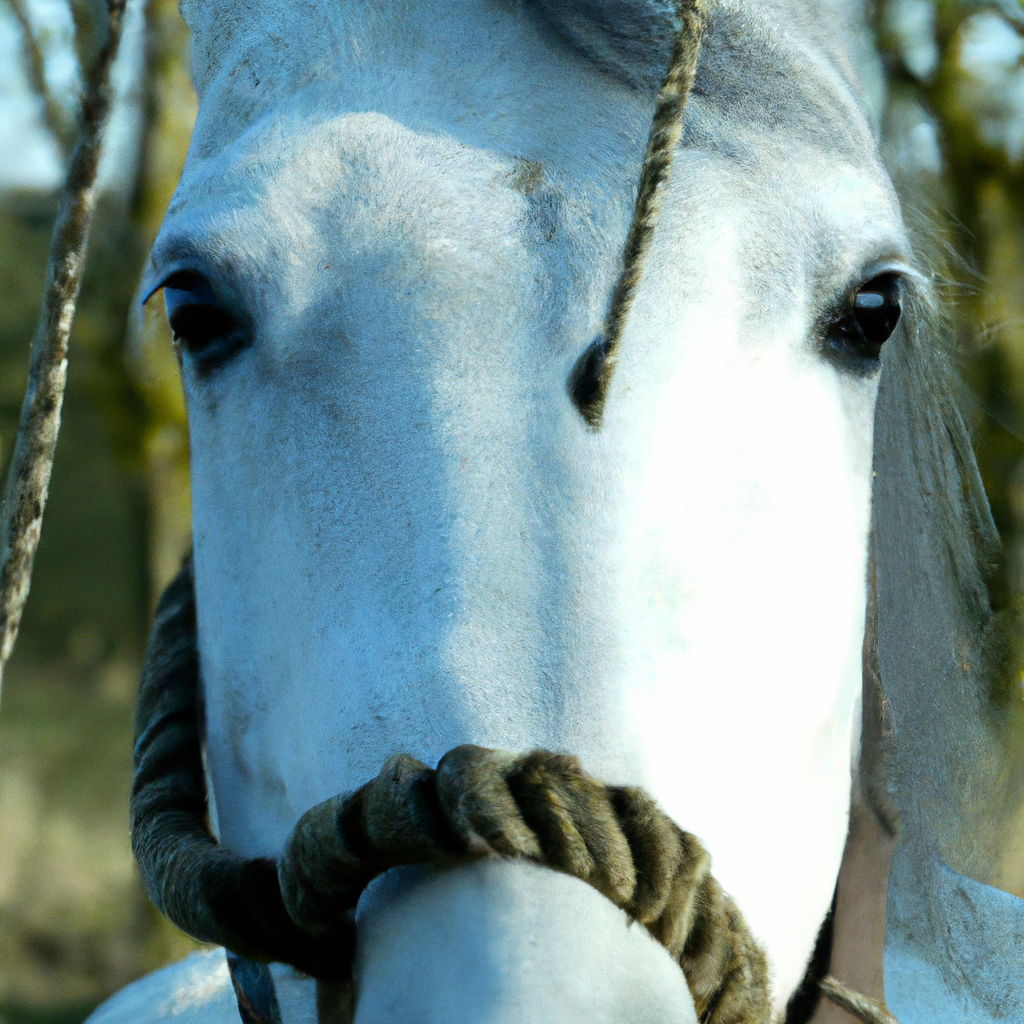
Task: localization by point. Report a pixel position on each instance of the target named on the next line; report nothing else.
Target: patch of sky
(55, 31)
(1012, 10)
(912, 141)
(989, 47)
(992, 57)
(912, 22)
(29, 155)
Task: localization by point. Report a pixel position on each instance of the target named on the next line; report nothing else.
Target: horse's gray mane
(942, 650)
(632, 39)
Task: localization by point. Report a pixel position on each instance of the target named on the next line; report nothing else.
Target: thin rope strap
(592, 374)
(255, 991)
(865, 1009)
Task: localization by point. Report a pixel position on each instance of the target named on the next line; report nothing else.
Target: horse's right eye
(200, 323)
(867, 321)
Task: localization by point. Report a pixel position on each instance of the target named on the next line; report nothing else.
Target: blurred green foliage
(74, 923)
(953, 136)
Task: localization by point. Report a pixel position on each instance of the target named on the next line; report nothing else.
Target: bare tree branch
(55, 117)
(28, 479)
(88, 18)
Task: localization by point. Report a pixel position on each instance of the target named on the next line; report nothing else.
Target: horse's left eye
(199, 322)
(870, 317)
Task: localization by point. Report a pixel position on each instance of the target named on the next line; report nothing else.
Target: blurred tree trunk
(170, 114)
(75, 924)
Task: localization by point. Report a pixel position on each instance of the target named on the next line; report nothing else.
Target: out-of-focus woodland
(74, 922)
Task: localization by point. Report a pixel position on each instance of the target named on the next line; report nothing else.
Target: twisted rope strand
(591, 377)
(865, 1009)
(28, 478)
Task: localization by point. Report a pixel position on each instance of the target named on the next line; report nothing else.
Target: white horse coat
(407, 538)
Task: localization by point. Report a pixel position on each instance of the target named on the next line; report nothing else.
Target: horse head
(395, 238)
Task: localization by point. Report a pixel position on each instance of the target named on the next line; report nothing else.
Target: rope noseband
(300, 910)
(477, 803)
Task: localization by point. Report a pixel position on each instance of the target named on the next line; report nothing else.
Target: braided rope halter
(263, 911)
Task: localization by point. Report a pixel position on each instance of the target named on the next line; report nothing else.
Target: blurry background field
(74, 922)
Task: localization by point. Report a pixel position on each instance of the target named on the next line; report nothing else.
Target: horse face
(395, 234)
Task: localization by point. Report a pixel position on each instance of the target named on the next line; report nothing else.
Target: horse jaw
(406, 538)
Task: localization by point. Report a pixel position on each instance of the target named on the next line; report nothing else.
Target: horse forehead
(347, 105)
(363, 181)
(490, 61)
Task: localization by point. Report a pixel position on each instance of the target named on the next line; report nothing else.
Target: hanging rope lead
(28, 479)
(592, 375)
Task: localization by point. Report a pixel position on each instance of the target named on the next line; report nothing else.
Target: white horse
(395, 236)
